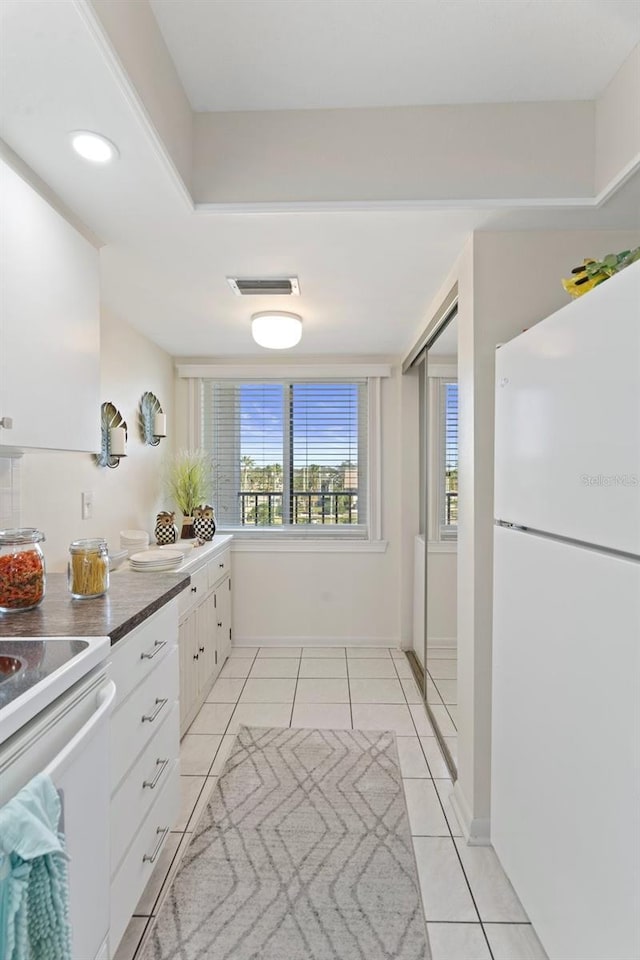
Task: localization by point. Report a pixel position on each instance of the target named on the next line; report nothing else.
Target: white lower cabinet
(145, 766)
(145, 848)
(141, 716)
(139, 793)
(223, 620)
(163, 671)
(204, 634)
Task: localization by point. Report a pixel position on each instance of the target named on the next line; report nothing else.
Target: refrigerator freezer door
(565, 807)
(567, 458)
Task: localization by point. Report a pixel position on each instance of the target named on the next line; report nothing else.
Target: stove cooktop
(35, 672)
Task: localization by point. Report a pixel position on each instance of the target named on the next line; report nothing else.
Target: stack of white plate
(117, 558)
(184, 546)
(154, 561)
(133, 541)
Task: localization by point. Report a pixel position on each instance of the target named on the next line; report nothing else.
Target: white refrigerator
(565, 810)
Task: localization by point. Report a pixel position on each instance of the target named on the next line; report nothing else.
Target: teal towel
(34, 885)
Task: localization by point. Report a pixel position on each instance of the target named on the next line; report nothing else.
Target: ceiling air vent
(281, 286)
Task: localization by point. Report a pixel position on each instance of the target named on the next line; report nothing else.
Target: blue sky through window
(451, 426)
(261, 422)
(324, 418)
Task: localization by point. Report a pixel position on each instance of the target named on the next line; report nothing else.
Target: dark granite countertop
(131, 599)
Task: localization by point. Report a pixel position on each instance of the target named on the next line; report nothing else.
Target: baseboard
(316, 642)
(448, 642)
(476, 831)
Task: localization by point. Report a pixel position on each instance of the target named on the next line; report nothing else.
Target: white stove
(55, 703)
(35, 672)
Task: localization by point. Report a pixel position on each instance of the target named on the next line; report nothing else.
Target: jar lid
(21, 535)
(88, 546)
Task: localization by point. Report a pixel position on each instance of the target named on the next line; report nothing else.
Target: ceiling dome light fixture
(276, 330)
(93, 146)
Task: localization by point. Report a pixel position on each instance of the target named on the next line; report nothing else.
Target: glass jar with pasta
(88, 569)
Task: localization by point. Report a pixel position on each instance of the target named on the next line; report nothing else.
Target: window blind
(288, 457)
(449, 459)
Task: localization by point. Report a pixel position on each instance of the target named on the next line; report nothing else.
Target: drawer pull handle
(151, 857)
(161, 764)
(219, 623)
(159, 705)
(221, 565)
(194, 589)
(157, 647)
(196, 656)
(201, 649)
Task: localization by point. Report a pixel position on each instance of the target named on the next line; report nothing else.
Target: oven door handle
(105, 698)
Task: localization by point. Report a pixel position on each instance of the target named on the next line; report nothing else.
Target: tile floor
(471, 909)
(442, 685)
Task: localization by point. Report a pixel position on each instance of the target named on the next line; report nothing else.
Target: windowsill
(442, 546)
(308, 546)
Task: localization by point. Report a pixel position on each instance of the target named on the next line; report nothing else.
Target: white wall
(442, 598)
(506, 282)
(130, 495)
(10, 472)
(399, 153)
(417, 644)
(308, 597)
(339, 596)
(316, 598)
(352, 596)
(618, 123)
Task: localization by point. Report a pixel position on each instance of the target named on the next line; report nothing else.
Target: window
(439, 456)
(448, 473)
(289, 457)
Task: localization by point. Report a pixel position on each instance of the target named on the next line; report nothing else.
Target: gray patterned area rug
(303, 853)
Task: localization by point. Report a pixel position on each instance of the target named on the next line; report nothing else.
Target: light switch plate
(87, 504)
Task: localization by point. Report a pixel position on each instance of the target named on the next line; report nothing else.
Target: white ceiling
(300, 54)
(367, 278)
(366, 281)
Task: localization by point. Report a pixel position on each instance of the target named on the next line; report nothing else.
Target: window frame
(447, 533)
(441, 539)
(288, 538)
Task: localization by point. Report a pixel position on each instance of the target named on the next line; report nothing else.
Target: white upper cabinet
(49, 325)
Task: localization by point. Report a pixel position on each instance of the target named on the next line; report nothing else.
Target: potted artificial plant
(189, 483)
(591, 272)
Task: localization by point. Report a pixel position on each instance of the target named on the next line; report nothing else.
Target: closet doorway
(434, 655)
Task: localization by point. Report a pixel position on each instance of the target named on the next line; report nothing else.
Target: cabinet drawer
(194, 592)
(144, 782)
(219, 567)
(136, 655)
(137, 719)
(132, 877)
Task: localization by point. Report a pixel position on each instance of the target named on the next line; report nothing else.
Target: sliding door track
(418, 673)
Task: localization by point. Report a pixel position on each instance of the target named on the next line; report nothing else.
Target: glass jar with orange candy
(22, 569)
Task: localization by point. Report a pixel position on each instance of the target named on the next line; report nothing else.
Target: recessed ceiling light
(93, 146)
(276, 331)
